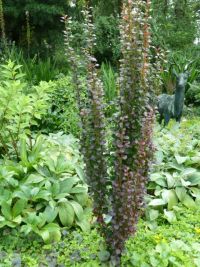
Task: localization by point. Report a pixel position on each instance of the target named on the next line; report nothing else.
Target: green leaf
(194, 179)
(18, 207)
(170, 216)
(189, 202)
(81, 198)
(50, 214)
(153, 214)
(181, 193)
(67, 184)
(78, 189)
(84, 225)
(53, 230)
(34, 178)
(77, 209)
(157, 202)
(6, 210)
(66, 214)
(170, 197)
(180, 160)
(23, 150)
(170, 180)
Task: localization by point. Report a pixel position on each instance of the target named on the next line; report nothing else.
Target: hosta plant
(45, 190)
(175, 176)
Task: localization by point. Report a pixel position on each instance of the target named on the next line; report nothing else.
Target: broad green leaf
(187, 172)
(153, 214)
(17, 219)
(180, 160)
(170, 180)
(84, 225)
(195, 192)
(45, 235)
(53, 230)
(77, 209)
(6, 210)
(194, 179)
(170, 197)
(159, 156)
(34, 178)
(189, 202)
(78, 189)
(34, 191)
(170, 216)
(50, 214)
(66, 214)
(157, 202)
(80, 173)
(67, 184)
(181, 193)
(18, 207)
(81, 198)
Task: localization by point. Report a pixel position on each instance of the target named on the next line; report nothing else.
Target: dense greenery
(168, 245)
(87, 176)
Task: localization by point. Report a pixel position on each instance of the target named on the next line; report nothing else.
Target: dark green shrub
(193, 94)
(62, 114)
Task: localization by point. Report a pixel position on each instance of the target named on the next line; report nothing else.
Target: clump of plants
(45, 190)
(175, 176)
(20, 107)
(118, 195)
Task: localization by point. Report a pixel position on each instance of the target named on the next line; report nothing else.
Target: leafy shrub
(62, 114)
(107, 33)
(176, 174)
(45, 189)
(193, 94)
(20, 107)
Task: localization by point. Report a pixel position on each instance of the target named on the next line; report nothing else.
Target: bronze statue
(171, 106)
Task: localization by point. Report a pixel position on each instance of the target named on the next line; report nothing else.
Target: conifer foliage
(133, 149)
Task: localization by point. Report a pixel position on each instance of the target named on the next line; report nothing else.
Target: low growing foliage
(45, 190)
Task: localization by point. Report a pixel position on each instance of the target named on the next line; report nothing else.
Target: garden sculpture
(171, 106)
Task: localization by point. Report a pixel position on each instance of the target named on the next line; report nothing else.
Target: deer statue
(171, 106)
